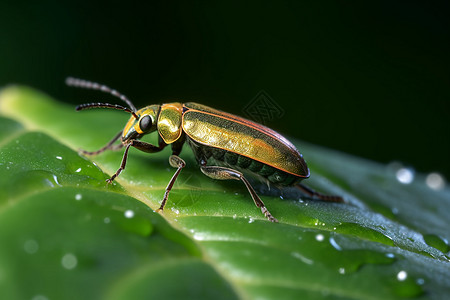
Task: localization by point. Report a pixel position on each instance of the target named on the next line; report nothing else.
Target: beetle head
(144, 123)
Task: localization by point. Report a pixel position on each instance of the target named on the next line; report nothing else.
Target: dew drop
(394, 210)
(78, 197)
(334, 244)
(251, 220)
(342, 271)
(198, 236)
(59, 157)
(402, 275)
(435, 181)
(405, 175)
(69, 261)
(320, 237)
(78, 170)
(129, 214)
(56, 179)
(234, 216)
(39, 297)
(106, 220)
(31, 246)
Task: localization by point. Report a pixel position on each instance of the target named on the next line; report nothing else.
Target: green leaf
(66, 234)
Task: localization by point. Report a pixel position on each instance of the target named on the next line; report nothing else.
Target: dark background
(371, 78)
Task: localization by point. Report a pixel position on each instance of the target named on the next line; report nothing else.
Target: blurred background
(369, 78)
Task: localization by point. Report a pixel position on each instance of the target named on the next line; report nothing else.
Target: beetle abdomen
(231, 159)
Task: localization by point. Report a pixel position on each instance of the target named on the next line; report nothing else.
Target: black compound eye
(145, 123)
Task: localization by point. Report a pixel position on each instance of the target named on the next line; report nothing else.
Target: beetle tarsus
(268, 215)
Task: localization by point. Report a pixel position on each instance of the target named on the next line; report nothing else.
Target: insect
(224, 145)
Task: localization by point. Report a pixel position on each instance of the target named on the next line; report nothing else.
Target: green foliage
(66, 234)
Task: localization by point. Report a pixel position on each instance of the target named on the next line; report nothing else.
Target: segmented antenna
(106, 105)
(85, 84)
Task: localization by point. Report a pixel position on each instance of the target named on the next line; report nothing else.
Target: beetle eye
(145, 123)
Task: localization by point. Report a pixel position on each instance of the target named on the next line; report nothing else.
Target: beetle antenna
(85, 84)
(106, 105)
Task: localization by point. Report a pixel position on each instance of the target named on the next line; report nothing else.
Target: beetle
(224, 145)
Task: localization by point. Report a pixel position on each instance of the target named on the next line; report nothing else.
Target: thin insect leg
(122, 165)
(223, 173)
(178, 163)
(258, 202)
(318, 196)
(108, 146)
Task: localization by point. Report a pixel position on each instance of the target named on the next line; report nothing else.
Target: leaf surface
(66, 234)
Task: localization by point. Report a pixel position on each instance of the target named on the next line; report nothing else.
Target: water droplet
(390, 255)
(31, 246)
(39, 297)
(342, 271)
(56, 179)
(176, 211)
(78, 197)
(129, 214)
(435, 181)
(334, 244)
(234, 216)
(78, 170)
(69, 261)
(106, 220)
(420, 281)
(320, 237)
(402, 275)
(251, 220)
(199, 236)
(405, 175)
(59, 157)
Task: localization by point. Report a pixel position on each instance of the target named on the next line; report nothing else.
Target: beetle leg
(175, 162)
(318, 196)
(143, 146)
(108, 146)
(147, 147)
(223, 173)
(122, 165)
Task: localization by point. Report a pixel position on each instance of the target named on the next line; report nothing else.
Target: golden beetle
(223, 144)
